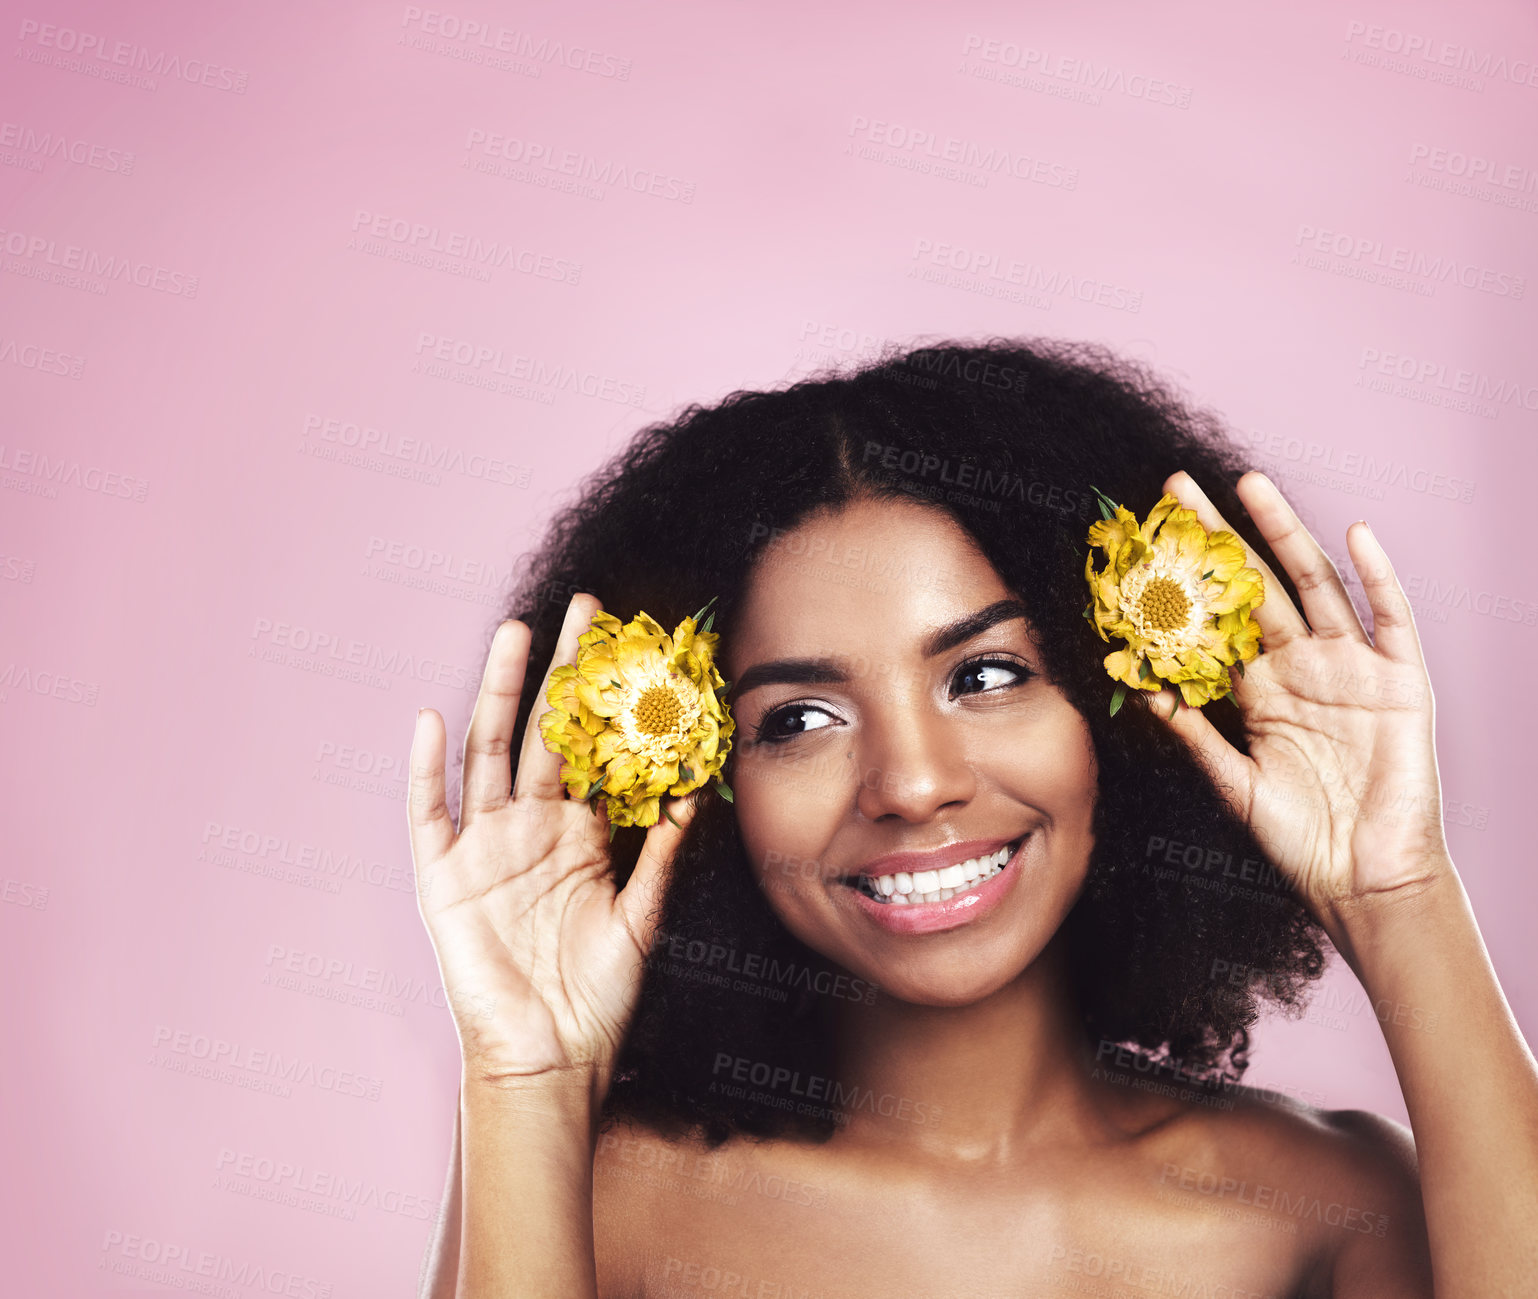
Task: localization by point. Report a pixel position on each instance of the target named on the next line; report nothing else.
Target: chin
(958, 967)
(959, 987)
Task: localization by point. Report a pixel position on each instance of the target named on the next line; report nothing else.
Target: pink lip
(928, 917)
(948, 855)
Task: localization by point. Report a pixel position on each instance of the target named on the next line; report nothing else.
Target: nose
(912, 768)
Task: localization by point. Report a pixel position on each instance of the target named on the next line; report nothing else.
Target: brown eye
(790, 720)
(982, 675)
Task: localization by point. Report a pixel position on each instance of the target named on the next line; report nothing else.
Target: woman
(724, 1057)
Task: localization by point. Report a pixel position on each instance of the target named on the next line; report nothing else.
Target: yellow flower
(1180, 598)
(639, 716)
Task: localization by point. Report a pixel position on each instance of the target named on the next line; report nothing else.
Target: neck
(979, 1082)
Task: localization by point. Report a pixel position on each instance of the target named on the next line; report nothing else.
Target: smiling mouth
(904, 889)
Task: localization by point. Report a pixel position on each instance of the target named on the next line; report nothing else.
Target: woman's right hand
(540, 956)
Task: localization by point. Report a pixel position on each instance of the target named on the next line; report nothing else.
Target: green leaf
(1107, 505)
(686, 771)
(669, 815)
(725, 790)
(1208, 573)
(1240, 666)
(703, 607)
(612, 828)
(1176, 704)
(1144, 671)
(1118, 697)
(709, 622)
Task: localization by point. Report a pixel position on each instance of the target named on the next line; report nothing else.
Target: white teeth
(904, 888)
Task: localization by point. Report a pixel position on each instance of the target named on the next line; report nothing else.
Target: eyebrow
(829, 671)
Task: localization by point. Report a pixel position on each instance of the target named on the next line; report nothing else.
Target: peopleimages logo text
(990, 158)
(509, 40)
(126, 54)
(1446, 54)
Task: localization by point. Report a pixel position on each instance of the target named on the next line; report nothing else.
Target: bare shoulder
(666, 1203)
(1368, 1162)
(626, 1158)
(1344, 1183)
(632, 1161)
(654, 1191)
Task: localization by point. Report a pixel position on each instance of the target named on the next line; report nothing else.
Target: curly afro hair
(1184, 927)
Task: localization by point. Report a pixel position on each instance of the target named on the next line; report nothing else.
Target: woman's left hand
(1340, 785)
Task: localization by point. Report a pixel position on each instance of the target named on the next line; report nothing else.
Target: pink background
(181, 526)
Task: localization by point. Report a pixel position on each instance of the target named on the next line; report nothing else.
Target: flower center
(1164, 605)
(657, 711)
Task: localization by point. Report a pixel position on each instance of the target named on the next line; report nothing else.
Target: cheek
(1075, 775)
(1052, 766)
(788, 811)
(1052, 769)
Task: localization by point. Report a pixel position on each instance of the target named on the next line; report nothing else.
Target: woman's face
(891, 729)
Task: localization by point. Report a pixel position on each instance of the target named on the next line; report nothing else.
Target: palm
(541, 956)
(1340, 784)
(549, 962)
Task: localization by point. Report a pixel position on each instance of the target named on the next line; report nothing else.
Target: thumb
(1230, 770)
(640, 901)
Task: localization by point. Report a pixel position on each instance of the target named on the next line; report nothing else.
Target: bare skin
(1031, 1171)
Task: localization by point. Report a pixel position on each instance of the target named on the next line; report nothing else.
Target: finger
(1279, 621)
(488, 772)
(427, 809)
(1393, 621)
(640, 901)
(1326, 605)
(1252, 682)
(539, 770)
(1231, 771)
